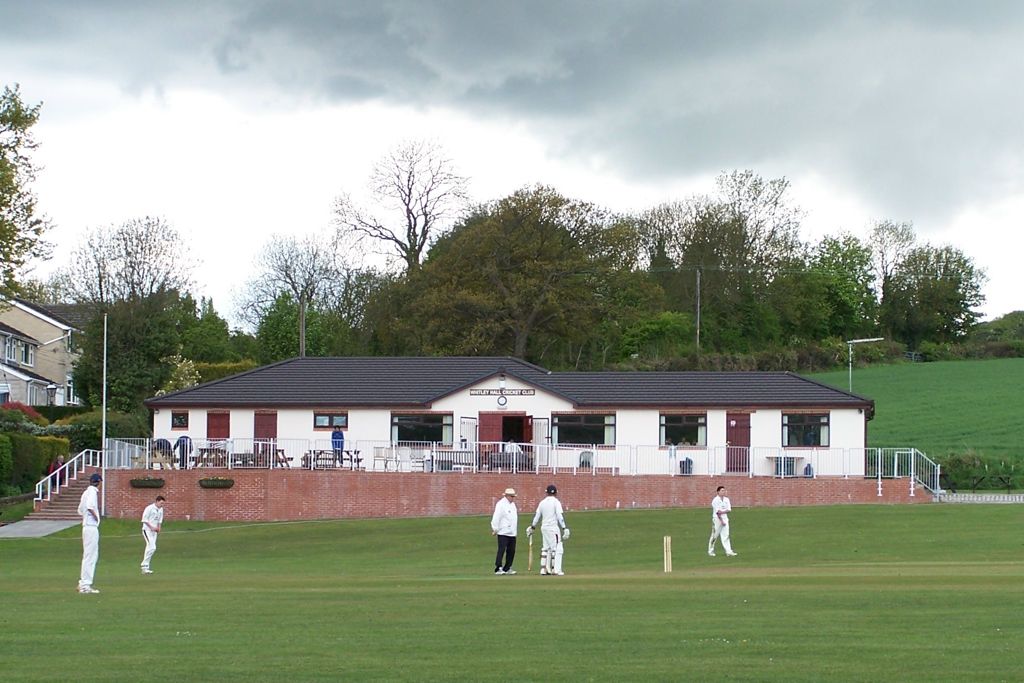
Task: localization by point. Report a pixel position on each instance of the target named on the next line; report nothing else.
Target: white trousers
(720, 529)
(150, 537)
(551, 551)
(90, 553)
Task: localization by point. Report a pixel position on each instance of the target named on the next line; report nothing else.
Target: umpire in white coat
(504, 525)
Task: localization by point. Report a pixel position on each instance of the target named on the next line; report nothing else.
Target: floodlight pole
(849, 353)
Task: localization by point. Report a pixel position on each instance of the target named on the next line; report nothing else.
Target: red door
(737, 442)
(264, 432)
(490, 427)
(218, 425)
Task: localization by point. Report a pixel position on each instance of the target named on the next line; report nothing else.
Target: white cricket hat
(510, 491)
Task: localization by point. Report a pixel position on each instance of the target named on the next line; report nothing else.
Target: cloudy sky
(238, 119)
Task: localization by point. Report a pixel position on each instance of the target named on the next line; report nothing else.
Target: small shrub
(28, 411)
(86, 428)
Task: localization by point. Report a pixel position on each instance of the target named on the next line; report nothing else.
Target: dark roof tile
(417, 381)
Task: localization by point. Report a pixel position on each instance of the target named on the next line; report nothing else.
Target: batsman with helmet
(553, 532)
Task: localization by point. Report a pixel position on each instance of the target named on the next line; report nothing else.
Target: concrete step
(36, 516)
(63, 506)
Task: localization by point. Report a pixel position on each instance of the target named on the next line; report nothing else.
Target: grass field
(943, 407)
(859, 593)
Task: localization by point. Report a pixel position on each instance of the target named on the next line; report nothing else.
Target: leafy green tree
(141, 335)
(726, 257)
(243, 345)
(277, 337)
(1007, 328)
(521, 269)
(206, 339)
(932, 296)
(21, 226)
(843, 266)
(665, 335)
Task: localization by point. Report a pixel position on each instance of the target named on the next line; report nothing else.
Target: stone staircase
(62, 506)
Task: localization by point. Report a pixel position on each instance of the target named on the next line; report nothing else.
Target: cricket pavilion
(313, 438)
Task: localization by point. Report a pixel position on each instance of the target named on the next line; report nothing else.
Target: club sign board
(502, 392)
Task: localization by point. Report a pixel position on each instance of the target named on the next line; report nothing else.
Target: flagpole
(103, 427)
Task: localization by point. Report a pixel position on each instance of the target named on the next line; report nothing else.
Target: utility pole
(698, 312)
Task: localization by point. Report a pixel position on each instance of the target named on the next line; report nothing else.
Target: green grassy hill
(839, 593)
(943, 408)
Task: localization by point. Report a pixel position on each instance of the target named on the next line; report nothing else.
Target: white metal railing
(501, 457)
(53, 483)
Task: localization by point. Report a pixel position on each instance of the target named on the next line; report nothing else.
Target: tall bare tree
(417, 184)
(891, 243)
(305, 267)
(128, 262)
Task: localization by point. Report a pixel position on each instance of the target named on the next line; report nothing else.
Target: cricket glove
(565, 534)
(529, 531)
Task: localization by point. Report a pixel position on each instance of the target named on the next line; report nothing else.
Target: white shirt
(720, 508)
(505, 520)
(89, 502)
(152, 517)
(550, 513)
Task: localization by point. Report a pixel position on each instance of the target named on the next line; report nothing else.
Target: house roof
(418, 381)
(15, 332)
(75, 316)
(22, 373)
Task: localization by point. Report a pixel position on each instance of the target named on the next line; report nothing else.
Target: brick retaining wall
(279, 495)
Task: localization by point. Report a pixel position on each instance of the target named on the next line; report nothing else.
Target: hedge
(31, 457)
(6, 463)
(54, 413)
(971, 471)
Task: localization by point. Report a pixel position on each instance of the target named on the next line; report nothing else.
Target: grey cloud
(915, 105)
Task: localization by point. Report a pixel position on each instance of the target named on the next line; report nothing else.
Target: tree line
(722, 280)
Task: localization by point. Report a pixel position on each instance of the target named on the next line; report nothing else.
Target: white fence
(580, 459)
(52, 484)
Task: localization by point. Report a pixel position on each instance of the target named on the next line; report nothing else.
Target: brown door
(218, 425)
(264, 432)
(737, 439)
(265, 426)
(490, 427)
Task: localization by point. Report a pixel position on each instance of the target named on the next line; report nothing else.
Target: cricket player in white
(152, 520)
(720, 509)
(553, 532)
(89, 509)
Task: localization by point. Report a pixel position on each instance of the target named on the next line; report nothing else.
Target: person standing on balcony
(720, 509)
(338, 447)
(505, 525)
(89, 508)
(152, 521)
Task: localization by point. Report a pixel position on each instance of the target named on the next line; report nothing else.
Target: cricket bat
(529, 562)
